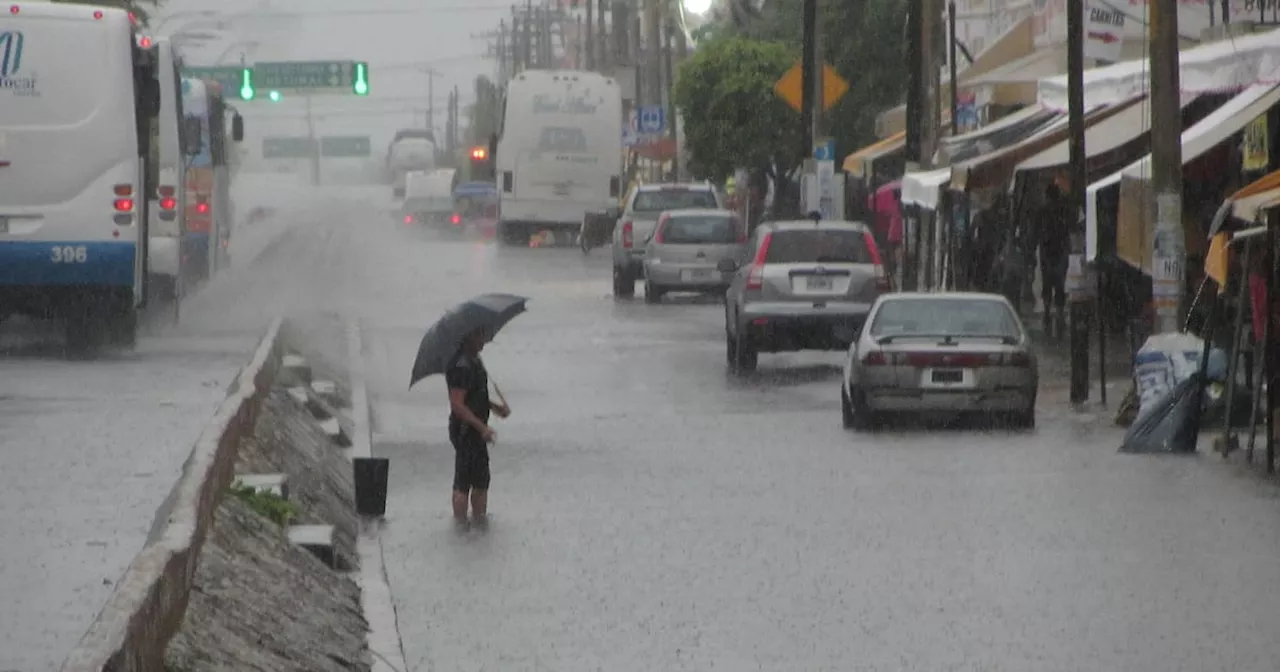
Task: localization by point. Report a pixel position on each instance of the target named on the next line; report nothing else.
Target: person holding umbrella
(452, 346)
(469, 430)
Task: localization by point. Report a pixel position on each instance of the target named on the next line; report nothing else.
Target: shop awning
(997, 168)
(857, 163)
(923, 188)
(1129, 124)
(1208, 133)
(1249, 203)
(1000, 133)
(1029, 69)
(1224, 66)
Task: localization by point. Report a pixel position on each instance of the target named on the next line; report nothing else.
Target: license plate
(690, 275)
(4, 225)
(818, 283)
(947, 376)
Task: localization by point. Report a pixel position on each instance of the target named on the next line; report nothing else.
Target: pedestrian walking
(1053, 261)
(469, 430)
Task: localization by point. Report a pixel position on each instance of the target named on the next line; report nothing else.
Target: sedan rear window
(700, 230)
(818, 245)
(945, 317)
(673, 199)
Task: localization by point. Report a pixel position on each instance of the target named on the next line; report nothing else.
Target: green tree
(732, 118)
(483, 115)
(862, 41)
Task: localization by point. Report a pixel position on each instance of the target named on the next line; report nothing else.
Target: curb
(147, 607)
(376, 602)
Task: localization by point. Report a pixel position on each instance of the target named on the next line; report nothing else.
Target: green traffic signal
(246, 84)
(360, 82)
(274, 96)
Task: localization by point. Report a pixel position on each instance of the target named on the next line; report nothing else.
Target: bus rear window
(47, 79)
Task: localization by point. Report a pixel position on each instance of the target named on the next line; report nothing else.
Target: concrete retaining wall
(132, 631)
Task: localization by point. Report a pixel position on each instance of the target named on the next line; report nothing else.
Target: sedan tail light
(876, 358)
(755, 277)
(627, 234)
(456, 219)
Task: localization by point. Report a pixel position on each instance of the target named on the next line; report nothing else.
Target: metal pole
(431, 101)
(589, 36)
(313, 144)
(915, 78)
(1237, 330)
(1079, 317)
(808, 79)
(1169, 245)
(951, 61)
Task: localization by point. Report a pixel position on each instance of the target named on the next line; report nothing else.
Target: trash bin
(371, 475)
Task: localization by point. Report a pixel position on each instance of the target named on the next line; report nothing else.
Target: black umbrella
(490, 312)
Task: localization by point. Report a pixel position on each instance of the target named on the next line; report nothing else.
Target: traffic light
(360, 79)
(479, 153)
(275, 96)
(246, 84)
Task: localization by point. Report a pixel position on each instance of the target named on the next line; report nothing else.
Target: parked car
(686, 249)
(809, 286)
(639, 216)
(940, 352)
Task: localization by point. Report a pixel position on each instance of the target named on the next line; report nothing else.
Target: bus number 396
(69, 254)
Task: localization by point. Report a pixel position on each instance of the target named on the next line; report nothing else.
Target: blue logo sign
(825, 151)
(651, 119)
(11, 42)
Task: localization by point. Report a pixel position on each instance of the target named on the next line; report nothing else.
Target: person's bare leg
(460, 506)
(479, 503)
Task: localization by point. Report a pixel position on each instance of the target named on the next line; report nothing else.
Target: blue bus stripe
(46, 263)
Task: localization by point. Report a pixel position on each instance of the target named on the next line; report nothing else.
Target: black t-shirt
(467, 373)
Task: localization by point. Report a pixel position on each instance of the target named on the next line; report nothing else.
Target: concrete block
(276, 484)
(327, 390)
(294, 371)
(299, 394)
(333, 429)
(318, 539)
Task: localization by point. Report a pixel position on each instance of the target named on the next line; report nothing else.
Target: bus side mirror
(237, 127)
(192, 143)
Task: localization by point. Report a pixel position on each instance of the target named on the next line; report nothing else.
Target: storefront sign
(1256, 155)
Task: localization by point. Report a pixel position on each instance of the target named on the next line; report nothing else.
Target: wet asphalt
(651, 511)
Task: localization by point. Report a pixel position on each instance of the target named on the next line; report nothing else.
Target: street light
(697, 6)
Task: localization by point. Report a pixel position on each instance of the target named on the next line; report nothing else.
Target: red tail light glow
(123, 204)
(408, 219)
(202, 208)
(755, 277)
(456, 219)
(98, 15)
(627, 230)
(168, 203)
(13, 9)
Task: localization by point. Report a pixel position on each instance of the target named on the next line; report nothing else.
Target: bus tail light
(202, 208)
(123, 204)
(168, 203)
(123, 190)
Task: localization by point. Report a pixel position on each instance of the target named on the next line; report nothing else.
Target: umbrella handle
(499, 393)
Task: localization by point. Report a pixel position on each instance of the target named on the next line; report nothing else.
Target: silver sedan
(686, 249)
(940, 352)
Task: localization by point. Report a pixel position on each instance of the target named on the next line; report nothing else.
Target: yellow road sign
(789, 86)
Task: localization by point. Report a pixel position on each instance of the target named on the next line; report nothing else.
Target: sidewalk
(1055, 368)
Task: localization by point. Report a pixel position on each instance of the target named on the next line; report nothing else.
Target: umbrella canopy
(490, 312)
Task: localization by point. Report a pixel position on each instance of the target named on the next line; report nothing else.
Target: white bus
(559, 151)
(78, 95)
(167, 204)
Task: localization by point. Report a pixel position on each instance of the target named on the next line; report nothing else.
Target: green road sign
(345, 146)
(228, 77)
(306, 76)
(286, 147)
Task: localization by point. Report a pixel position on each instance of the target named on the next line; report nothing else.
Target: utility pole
(603, 61)
(431, 99)
(1080, 309)
(951, 63)
(1169, 245)
(915, 86)
(589, 37)
(809, 76)
(313, 143)
(930, 56)
(527, 52)
(670, 82)
(653, 52)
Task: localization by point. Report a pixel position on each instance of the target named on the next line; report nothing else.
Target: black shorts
(470, 463)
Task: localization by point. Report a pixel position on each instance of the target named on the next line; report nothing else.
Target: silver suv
(809, 286)
(646, 203)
